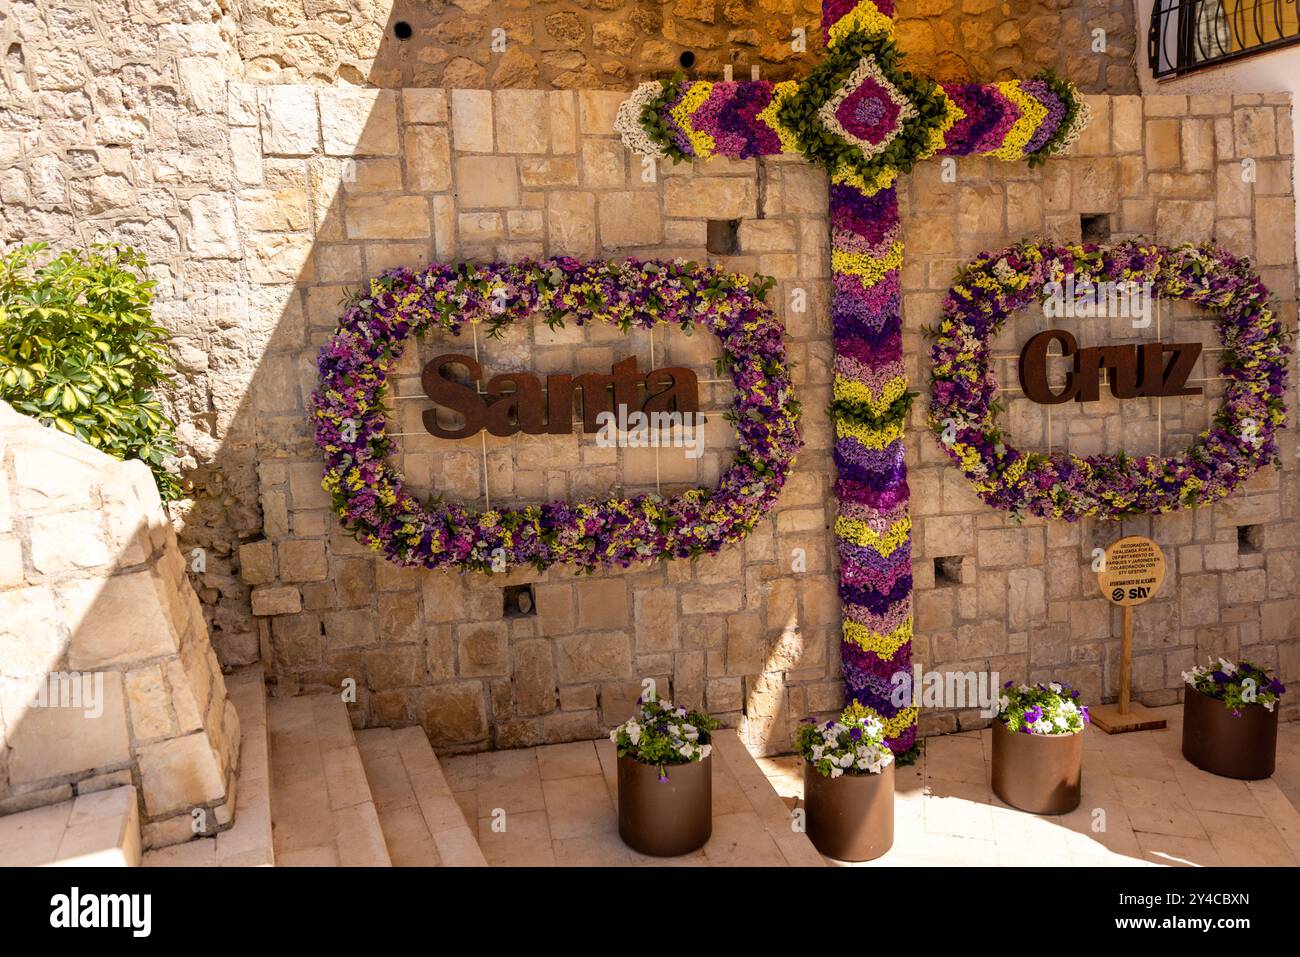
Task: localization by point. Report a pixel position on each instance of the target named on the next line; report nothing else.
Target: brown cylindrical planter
(1038, 773)
(1214, 740)
(665, 818)
(851, 817)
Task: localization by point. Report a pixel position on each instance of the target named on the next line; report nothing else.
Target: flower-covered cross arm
(858, 114)
(698, 119)
(1015, 119)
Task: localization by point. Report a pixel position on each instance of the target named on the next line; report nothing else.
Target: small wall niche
(518, 601)
(1094, 227)
(1250, 539)
(947, 570)
(723, 237)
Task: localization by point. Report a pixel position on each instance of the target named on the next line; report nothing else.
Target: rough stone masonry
(259, 201)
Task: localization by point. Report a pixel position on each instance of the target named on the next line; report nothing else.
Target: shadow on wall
(338, 184)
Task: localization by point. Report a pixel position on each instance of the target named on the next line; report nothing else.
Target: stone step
(100, 829)
(422, 823)
(324, 813)
(247, 842)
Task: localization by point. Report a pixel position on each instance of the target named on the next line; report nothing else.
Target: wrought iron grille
(1187, 35)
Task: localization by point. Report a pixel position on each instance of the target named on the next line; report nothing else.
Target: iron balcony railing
(1187, 35)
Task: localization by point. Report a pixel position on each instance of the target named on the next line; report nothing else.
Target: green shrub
(80, 352)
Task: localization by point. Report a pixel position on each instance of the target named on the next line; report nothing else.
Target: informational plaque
(1133, 571)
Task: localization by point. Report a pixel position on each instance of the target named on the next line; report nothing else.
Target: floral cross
(866, 121)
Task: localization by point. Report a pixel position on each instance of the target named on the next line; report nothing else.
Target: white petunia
(628, 121)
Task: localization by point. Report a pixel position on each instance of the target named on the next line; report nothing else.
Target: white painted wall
(1274, 72)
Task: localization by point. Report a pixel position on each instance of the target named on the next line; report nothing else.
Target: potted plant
(665, 778)
(1038, 747)
(848, 785)
(1230, 719)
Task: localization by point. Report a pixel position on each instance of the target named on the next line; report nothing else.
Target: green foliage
(855, 744)
(653, 122)
(1070, 97)
(79, 351)
(799, 113)
(663, 734)
(905, 759)
(1237, 684)
(1051, 708)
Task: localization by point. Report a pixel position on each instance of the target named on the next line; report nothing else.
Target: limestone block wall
(1025, 601)
(116, 125)
(107, 676)
(113, 127)
(259, 202)
(399, 177)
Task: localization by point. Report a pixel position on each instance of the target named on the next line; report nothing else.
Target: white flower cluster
(1235, 684)
(1065, 717)
(866, 754)
(628, 121)
(1200, 671)
(682, 736)
(1082, 117)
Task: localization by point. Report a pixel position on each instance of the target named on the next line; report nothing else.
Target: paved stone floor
(1158, 808)
(560, 801)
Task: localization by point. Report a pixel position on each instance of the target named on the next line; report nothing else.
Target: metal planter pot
(1038, 773)
(1243, 747)
(665, 818)
(850, 818)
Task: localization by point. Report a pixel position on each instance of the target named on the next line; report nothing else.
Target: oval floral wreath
(369, 494)
(1240, 440)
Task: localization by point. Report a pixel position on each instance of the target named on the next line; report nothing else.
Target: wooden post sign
(1133, 571)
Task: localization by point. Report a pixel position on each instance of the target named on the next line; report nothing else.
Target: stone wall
(587, 44)
(401, 177)
(258, 202)
(1026, 601)
(106, 673)
(115, 125)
